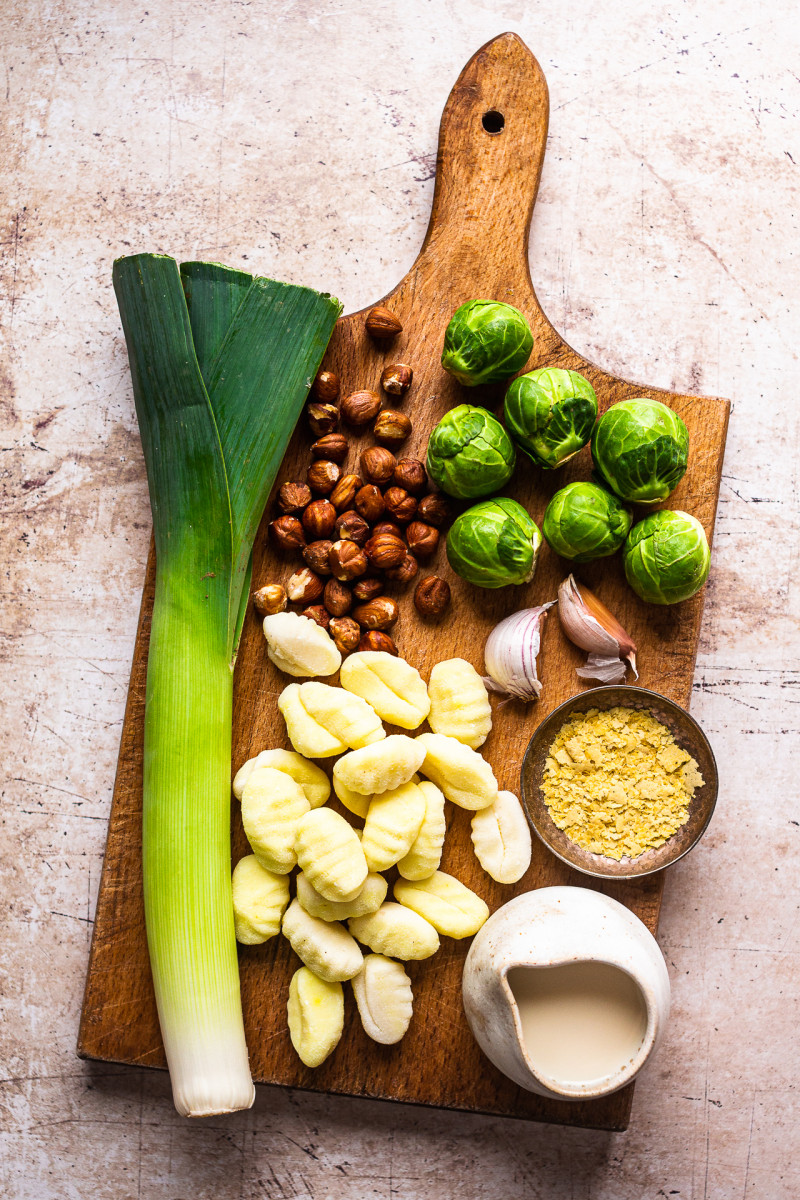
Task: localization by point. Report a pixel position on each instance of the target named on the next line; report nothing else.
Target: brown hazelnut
(367, 589)
(431, 596)
(405, 572)
(344, 493)
(391, 428)
(398, 502)
(270, 599)
(325, 387)
(380, 613)
(304, 587)
(381, 323)
(359, 408)
(369, 503)
(350, 527)
(322, 418)
(378, 464)
(293, 497)
(319, 519)
(333, 446)
(396, 379)
(347, 560)
(423, 540)
(315, 556)
(323, 476)
(346, 633)
(375, 640)
(318, 613)
(434, 510)
(388, 527)
(384, 550)
(337, 598)
(411, 475)
(287, 532)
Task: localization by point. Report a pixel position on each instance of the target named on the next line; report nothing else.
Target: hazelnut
(344, 493)
(315, 556)
(322, 418)
(431, 596)
(405, 572)
(293, 497)
(378, 464)
(384, 550)
(398, 502)
(319, 519)
(347, 560)
(388, 527)
(287, 532)
(434, 509)
(319, 614)
(396, 379)
(325, 387)
(374, 640)
(337, 598)
(323, 476)
(346, 633)
(333, 446)
(367, 589)
(359, 408)
(391, 428)
(304, 587)
(380, 613)
(369, 503)
(423, 540)
(350, 527)
(381, 323)
(270, 600)
(411, 475)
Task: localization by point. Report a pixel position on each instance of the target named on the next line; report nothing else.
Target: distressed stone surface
(299, 140)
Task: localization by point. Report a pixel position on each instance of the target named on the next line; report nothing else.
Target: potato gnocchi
(445, 902)
(393, 821)
(369, 899)
(394, 688)
(346, 717)
(259, 899)
(502, 839)
(315, 1013)
(396, 931)
(382, 767)
(357, 804)
(459, 703)
(272, 806)
(425, 853)
(308, 737)
(330, 854)
(312, 780)
(299, 646)
(384, 999)
(463, 775)
(325, 947)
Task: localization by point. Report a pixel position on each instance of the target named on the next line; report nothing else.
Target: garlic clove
(511, 651)
(590, 625)
(602, 668)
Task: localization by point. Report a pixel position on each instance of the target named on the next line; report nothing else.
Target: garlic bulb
(588, 623)
(511, 651)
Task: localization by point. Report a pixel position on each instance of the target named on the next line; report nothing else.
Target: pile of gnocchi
(340, 923)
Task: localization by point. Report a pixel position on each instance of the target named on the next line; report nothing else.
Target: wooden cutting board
(476, 246)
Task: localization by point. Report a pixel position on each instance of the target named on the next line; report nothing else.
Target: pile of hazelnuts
(362, 531)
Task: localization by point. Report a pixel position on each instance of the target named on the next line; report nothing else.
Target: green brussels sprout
(486, 342)
(551, 414)
(640, 450)
(470, 454)
(666, 557)
(584, 521)
(494, 543)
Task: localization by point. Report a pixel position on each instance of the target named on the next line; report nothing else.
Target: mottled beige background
(298, 139)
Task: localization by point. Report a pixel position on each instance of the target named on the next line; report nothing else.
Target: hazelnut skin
(431, 596)
(319, 519)
(378, 464)
(374, 639)
(287, 533)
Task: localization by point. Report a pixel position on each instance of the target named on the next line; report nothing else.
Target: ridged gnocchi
(369, 899)
(502, 839)
(463, 775)
(345, 716)
(312, 780)
(382, 767)
(305, 733)
(298, 646)
(330, 855)
(425, 852)
(384, 999)
(394, 688)
(445, 902)
(357, 804)
(259, 899)
(396, 931)
(316, 1016)
(272, 806)
(459, 703)
(393, 821)
(324, 946)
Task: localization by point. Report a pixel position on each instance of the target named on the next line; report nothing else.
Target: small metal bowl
(687, 734)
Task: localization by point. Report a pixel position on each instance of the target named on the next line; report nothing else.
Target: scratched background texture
(298, 139)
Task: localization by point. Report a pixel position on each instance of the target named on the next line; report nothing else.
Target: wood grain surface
(476, 245)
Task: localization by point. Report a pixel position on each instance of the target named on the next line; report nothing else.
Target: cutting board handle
(491, 148)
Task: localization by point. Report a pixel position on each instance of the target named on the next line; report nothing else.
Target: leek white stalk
(511, 651)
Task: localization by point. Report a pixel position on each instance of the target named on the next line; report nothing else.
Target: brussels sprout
(486, 342)
(470, 454)
(494, 543)
(640, 449)
(584, 521)
(666, 557)
(551, 414)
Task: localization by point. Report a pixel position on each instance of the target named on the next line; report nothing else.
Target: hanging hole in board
(493, 121)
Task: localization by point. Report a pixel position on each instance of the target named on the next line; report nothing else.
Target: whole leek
(221, 363)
